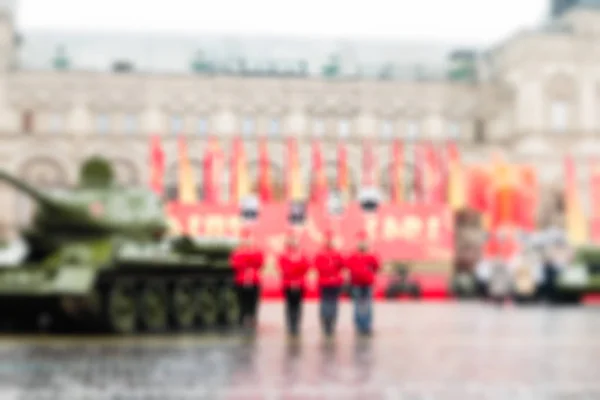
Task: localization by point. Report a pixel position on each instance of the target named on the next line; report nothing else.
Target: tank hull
(124, 299)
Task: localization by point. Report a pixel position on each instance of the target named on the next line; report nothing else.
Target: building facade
(559, 7)
(62, 99)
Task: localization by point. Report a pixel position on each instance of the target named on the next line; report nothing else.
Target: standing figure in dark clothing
(247, 261)
(548, 292)
(500, 282)
(555, 257)
(363, 265)
(293, 265)
(329, 264)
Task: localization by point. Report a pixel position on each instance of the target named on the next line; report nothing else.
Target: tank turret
(96, 206)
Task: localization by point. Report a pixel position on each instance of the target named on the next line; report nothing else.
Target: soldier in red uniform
(293, 265)
(329, 264)
(247, 261)
(363, 265)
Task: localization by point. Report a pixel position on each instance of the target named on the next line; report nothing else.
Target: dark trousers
(248, 301)
(293, 309)
(363, 310)
(549, 286)
(482, 289)
(329, 308)
(524, 299)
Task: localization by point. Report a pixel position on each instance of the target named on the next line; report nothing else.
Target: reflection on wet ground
(420, 351)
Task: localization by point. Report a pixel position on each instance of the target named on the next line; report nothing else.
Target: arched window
(274, 126)
(413, 130)
(248, 126)
(130, 124)
(318, 127)
(27, 121)
(176, 125)
(344, 128)
(45, 174)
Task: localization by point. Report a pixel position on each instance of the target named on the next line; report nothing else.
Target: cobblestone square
(419, 351)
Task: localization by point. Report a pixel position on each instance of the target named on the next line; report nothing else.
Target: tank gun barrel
(39, 197)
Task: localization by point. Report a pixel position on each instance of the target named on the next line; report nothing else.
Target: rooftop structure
(559, 7)
(252, 56)
(248, 55)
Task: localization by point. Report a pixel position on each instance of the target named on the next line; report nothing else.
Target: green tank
(98, 256)
(582, 277)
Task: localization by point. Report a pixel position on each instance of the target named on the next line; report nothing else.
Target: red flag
(419, 173)
(502, 202)
(503, 208)
(431, 176)
(265, 191)
(369, 178)
(239, 175)
(343, 184)
(187, 184)
(397, 174)
(595, 190)
(594, 178)
(442, 171)
(576, 223)
(157, 165)
(456, 182)
(319, 181)
(290, 167)
(293, 179)
(528, 200)
(441, 175)
(210, 170)
(479, 183)
(503, 199)
(236, 152)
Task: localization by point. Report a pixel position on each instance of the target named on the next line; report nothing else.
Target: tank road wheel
(153, 304)
(207, 306)
(229, 306)
(184, 311)
(120, 307)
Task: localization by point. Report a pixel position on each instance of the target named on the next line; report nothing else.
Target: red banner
(397, 232)
(595, 230)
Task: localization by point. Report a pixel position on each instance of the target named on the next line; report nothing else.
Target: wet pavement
(419, 351)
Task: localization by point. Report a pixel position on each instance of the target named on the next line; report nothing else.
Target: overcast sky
(469, 21)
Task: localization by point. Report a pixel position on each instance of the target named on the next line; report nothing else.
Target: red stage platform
(433, 287)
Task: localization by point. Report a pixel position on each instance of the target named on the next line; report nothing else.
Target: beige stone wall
(541, 102)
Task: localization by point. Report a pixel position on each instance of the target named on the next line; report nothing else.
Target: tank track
(130, 300)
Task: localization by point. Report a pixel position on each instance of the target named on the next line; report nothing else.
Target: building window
(559, 116)
(344, 128)
(412, 130)
(319, 127)
(130, 124)
(102, 123)
(248, 126)
(27, 121)
(56, 123)
(480, 135)
(453, 130)
(387, 129)
(202, 128)
(274, 127)
(176, 125)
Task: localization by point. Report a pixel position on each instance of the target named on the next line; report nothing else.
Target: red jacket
(363, 266)
(247, 263)
(329, 264)
(293, 265)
